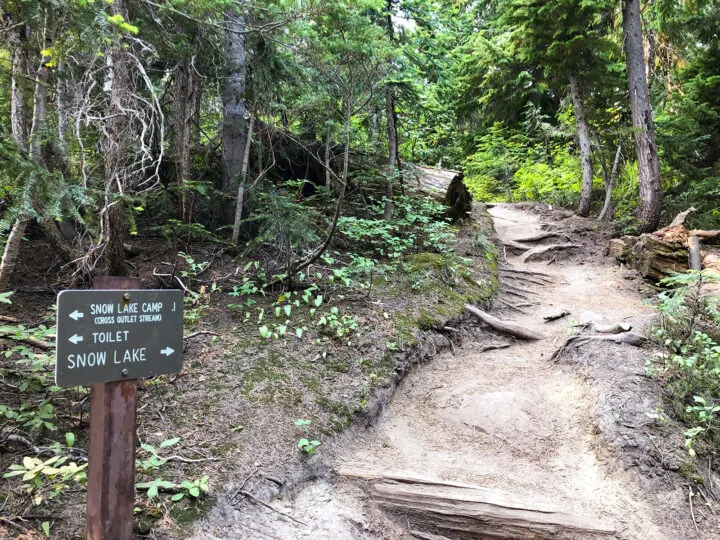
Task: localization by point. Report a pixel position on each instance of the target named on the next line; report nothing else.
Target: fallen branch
(44, 345)
(536, 252)
(629, 338)
(555, 316)
(494, 346)
(503, 326)
(617, 328)
(201, 333)
(266, 505)
(13, 320)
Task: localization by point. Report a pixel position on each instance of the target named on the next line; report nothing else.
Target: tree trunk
(328, 181)
(19, 114)
(233, 128)
(18, 103)
(648, 211)
(117, 129)
(606, 213)
(393, 160)
(241, 182)
(392, 155)
(12, 249)
(584, 136)
(184, 103)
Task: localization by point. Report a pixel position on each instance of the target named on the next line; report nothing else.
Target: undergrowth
(690, 361)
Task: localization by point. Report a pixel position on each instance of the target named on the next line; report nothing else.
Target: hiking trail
(509, 421)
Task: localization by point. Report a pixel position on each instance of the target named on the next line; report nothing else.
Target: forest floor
(585, 436)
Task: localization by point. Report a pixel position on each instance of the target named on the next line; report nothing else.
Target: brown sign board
(115, 335)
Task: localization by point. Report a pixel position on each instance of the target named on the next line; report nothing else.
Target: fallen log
(629, 338)
(504, 326)
(538, 251)
(672, 249)
(464, 511)
(40, 344)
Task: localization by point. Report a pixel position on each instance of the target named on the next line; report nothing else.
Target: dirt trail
(507, 419)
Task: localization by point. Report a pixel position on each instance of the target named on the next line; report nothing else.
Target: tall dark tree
(649, 205)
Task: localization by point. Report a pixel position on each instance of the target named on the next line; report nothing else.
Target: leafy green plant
(47, 479)
(306, 445)
(690, 363)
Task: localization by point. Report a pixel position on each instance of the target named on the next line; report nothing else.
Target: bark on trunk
(184, 103)
(585, 152)
(18, 102)
(117, 128)
(233, 129)
(606, 213)
(18, 121)
(648, 212)
(328, 180)
(392, 154)
(241, 182)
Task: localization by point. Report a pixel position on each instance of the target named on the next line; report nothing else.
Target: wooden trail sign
(107, 338)
(114, 335)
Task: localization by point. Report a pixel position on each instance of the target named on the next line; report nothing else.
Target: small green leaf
(70, 439)
(169, 442)
(46, 528)
(177, 497)
(194, 491)
(299, 332)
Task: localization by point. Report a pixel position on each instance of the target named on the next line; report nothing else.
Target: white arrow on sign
(75, 339)
(76, 315)
(167, 351)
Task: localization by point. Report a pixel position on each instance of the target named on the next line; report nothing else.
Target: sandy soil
(509, 419)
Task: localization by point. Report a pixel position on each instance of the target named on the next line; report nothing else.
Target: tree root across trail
(497, 439)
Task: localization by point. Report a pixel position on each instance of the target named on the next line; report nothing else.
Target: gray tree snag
(233, 127)
(606, 212)
(648, 211)
(585, 149)
(241, 181)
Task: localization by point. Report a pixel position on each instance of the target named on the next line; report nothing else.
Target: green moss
(189, 510)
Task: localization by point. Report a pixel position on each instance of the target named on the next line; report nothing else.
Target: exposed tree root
(513, 270)
(543, 236)
(616, 328)
(507, 287)
(538, 251)
(515, 247)
(629, 338)
(504, 326)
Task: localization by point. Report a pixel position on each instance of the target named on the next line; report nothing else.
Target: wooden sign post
(107, 338)
(111, 456)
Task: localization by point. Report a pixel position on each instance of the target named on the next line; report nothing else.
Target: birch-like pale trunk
(241, 181)
(585, 148)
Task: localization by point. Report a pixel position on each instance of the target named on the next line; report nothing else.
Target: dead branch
(266, 505)
(201, 333)
(616, 328)
(503, 326)
(12, 320)
(44, 345)
(555, 316)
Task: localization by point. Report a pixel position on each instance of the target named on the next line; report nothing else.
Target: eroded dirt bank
(581, 436)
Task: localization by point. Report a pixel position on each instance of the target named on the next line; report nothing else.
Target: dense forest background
(221, 118)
